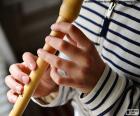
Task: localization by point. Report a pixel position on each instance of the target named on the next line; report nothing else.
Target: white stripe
(123, 53)
(128, 10)
(103, 93)
(117, 92)
(120, 63)
(136, 96)
(126, 32)
(126, 21)
(125, 104)
(96, 7)
(90, 36)
(88, 25)
(122, 73)
(97, 87)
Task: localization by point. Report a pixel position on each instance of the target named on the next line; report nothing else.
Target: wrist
(97, 77)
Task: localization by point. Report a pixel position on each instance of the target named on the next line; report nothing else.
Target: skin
(83, 70)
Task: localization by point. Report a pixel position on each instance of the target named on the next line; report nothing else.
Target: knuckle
(12, 66)
(62, 45)
(25, 54)
(84, 71)
(9, 96)
(58, 62)
(71, 28)
(69, 65)
(87, 61)
(59, 80)
(7, 79)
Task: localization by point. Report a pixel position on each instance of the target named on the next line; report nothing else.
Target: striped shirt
(115, 31)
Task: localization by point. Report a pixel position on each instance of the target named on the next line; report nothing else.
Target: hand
(19, 77)
(85, 65)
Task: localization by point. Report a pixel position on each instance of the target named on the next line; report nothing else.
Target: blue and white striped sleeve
(62, 97)
(113, 95)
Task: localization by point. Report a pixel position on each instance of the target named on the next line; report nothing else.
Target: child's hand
(85, 67)
(19, 77)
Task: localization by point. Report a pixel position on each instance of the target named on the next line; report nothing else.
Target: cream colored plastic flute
(69, 11)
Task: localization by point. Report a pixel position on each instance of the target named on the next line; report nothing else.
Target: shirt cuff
(52, 100)
(107, 90)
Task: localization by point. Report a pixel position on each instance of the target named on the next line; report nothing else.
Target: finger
(30, 60)
(66, 37)
(68, 49)
(23, 67)
(12, 98)
(73, 32)
(18, 74)
(56, 61)
(71, 41)
(58, 79)
(15, 86)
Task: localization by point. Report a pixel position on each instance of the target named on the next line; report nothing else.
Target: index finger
(71, 30)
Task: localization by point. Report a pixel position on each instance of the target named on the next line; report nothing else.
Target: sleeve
(113, 95)
(56, 99)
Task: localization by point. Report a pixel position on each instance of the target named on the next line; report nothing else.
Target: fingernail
(25, 79)
(19, 89)
(52, 26)
(32, 66)
(39, 51)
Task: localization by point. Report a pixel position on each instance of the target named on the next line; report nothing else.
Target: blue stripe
(131, 98)
(87, 29)
(108, 109)
(100, 89)
(121, 58)
(127, 27)
(115, 33)
(95, 43)
(120, 68)
(108, 94)
(123, 48)
(128, 16)
(122, 100)
(125, 38)
(118, 34)
(99, 3)
(129, 5)
(118, 12)
(93, 11)
(91, 21)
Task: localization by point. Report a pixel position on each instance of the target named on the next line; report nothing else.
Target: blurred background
(23, 26)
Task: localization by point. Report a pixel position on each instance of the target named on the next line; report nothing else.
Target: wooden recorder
(69, 11)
